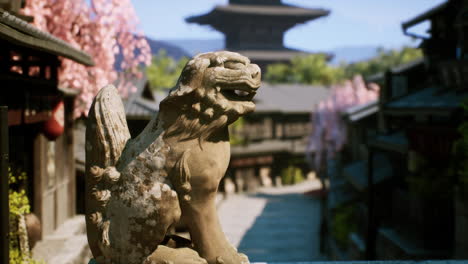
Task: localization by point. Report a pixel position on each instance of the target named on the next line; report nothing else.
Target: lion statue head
(213, 90)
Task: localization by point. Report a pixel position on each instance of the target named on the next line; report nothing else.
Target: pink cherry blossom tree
(329, 134)
(103, 29)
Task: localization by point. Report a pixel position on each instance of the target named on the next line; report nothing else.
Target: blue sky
(351, 22)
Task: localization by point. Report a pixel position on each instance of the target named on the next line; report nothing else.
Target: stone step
(67, 245)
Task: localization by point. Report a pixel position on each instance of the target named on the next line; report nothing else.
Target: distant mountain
(195, 46)
(174, 51)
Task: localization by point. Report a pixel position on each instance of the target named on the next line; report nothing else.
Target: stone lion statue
(137, 189)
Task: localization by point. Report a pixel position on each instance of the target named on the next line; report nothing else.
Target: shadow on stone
(286, 230)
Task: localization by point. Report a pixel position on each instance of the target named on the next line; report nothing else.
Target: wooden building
(275, 136)
(415, 213)
(29, 87)
(348, 184)
(422, 104)
(256, 28)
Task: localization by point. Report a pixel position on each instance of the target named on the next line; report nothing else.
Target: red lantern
(54, 127)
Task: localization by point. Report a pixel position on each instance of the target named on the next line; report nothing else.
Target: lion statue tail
(106, 136)
(106, 130)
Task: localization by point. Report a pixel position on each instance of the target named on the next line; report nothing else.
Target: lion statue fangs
(136, 189)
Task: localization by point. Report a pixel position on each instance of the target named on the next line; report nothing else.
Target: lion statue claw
(137, 189)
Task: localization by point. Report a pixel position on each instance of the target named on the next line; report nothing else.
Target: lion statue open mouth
(136, 189)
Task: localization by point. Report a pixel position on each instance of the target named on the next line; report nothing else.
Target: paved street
(275, 224)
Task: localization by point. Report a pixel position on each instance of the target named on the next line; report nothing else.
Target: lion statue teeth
(137, 189)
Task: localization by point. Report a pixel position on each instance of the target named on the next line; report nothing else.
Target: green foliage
(314, 69)
(291, 175)
(235, 136)
(19, 205)
(164, 70)
(343, 225)
(385, 60)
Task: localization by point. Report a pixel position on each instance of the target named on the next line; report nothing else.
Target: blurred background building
(395, 192)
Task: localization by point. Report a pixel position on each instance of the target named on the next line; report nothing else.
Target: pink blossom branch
(102, 28)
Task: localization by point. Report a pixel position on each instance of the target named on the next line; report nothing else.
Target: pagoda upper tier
(256, 25)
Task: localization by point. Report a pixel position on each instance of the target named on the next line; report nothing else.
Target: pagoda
(256, 28)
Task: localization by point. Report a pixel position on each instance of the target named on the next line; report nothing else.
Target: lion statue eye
(234, 65)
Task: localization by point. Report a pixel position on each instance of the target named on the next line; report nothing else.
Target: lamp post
(4, 206)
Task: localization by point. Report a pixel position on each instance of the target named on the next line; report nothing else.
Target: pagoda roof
(299, 13)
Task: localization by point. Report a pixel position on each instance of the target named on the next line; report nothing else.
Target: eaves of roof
(21, 33)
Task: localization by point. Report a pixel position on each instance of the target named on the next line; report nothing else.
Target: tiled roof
(355, 113)
(400, 69)
(289, 98)
(21, 33)
(408, 66)
(138, 107)
(141, 108)
(376, 78)
(432, 99)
